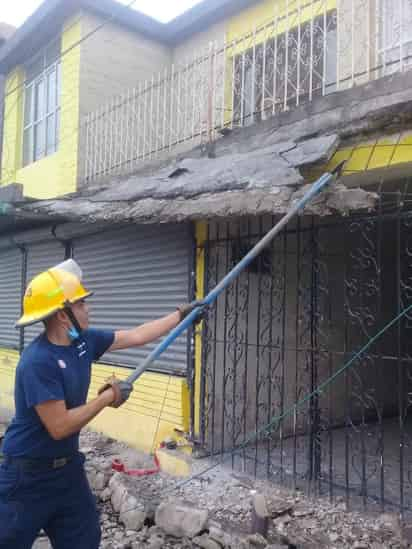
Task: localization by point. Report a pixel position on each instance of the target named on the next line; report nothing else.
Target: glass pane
(59, 82)
(51, 91)
(52, 52)
(51, 134)
(28, 106)
(34, 68)
(28, 146)
(39, 100)
(57, 128)
(331, 56)
(39, 141)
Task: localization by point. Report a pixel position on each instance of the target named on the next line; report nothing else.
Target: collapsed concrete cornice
(253, 170)
(258, 181)
(261, 181)
(224, 205)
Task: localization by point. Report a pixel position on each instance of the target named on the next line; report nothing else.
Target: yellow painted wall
(158, 405)
(12, 128)
(54, 175)
(380, 152)
(8, 361)
(201, 237)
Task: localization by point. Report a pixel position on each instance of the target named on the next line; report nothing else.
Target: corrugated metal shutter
(138, 274)
(39, 258)
(11, 261)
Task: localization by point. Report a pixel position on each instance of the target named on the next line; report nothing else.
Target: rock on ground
(214, 511)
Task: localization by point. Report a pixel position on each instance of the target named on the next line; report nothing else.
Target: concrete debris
(206, 542)
(215, 511)
(257, 540)
(280, 507)
(132, 513)
(180, 520)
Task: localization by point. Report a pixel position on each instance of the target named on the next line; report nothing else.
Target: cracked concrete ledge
(253, 170)
(219, 205)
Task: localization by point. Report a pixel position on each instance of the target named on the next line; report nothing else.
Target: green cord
(267, 429)
(328, 381)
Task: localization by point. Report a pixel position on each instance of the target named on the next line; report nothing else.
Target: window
(42, 105)
(395, 34)
(286, 69)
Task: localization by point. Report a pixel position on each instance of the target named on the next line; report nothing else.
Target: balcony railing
(306, 50)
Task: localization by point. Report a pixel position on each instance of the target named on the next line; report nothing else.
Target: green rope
(276, 419)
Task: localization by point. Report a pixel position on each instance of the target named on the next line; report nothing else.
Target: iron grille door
(10, 296)
(137, 274)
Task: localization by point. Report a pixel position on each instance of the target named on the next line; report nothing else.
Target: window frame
(394, 50)
(323, 80)
(46, 78)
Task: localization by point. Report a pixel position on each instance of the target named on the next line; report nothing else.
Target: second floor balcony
(308, 49)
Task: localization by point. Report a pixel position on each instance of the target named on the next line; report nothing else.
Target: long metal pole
(316, 189)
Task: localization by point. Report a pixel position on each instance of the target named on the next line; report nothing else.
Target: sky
(15, 12)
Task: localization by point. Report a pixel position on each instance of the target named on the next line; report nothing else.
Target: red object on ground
(120, 467)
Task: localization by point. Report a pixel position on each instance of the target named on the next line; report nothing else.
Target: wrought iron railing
(306, 50)
(315, 297)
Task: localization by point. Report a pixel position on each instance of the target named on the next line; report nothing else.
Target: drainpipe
(66, 243)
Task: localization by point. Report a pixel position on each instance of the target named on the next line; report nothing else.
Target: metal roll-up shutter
(40, 257)
(138, 274)
(11, 264)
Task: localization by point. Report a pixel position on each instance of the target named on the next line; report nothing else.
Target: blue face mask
(73, 334)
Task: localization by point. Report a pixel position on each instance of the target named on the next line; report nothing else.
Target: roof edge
(52, 12)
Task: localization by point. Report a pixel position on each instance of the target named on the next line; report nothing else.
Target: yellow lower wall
(8, 361)
(158, 405)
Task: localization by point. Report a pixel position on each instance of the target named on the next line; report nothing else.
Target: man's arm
(146, 333)
(61, 422)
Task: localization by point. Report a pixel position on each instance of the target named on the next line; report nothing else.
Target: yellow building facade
(160, 405)
(55, 174)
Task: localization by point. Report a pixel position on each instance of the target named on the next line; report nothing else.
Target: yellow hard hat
(51, 291)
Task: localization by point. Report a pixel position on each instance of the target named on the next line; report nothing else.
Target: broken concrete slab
(262, 169)
(132, 513)
(206, 542)
(312, 151)
(180, 520)
(118, 492)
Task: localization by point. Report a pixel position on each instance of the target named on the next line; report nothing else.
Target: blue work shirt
(51, 372)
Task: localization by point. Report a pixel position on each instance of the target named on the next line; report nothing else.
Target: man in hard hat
(42, 480)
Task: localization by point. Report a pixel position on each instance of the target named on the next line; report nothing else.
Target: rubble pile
(215, 511)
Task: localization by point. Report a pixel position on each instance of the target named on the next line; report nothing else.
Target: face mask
(73, 334)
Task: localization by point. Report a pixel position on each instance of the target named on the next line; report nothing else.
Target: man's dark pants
(59, 501)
